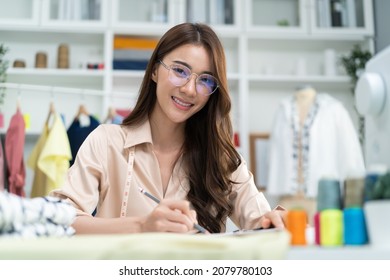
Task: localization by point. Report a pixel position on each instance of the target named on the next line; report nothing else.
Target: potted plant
(3, 77)
(354, 64)
(377, 209)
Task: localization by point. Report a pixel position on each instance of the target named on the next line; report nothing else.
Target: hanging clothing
(43, 216)
(14, 149)
(50, 158)
(2, 167)
(77, 134)
(330, 142)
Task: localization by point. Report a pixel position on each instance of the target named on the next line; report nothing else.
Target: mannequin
(304, 98)
(312, 136)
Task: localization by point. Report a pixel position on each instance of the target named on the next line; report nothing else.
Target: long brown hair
(209, 155)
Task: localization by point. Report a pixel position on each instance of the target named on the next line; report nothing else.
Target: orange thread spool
(296, 225)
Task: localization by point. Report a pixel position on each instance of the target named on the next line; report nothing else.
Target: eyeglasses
(179, 75)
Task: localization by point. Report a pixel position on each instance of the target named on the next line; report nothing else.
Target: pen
(155, 199)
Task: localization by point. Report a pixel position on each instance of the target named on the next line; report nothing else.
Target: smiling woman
(176, 144)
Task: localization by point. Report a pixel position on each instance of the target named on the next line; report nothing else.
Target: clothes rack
(56, 89)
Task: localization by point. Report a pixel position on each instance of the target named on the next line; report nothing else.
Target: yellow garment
(50, 159)
(39, 177)
(150, 246)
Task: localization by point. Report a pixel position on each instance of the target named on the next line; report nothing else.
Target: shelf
(55, 72)
(262, 59)
(291, 82)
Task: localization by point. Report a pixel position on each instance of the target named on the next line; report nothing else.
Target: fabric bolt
(333, 147)
(43, 216)
(50, 158)
(77, 134)
(265, 245)
(101, 182)
(14, 148)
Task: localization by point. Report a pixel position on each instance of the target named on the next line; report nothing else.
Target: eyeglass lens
(205, 84)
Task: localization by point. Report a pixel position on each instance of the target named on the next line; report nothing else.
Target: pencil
(155, 199)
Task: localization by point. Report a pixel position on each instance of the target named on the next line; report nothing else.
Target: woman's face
(179, 103)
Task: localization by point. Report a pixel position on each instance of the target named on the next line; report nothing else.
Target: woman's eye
(179, 71)
(207, 81)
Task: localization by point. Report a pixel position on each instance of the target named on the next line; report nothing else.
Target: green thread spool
(331, 229)
(353, 192)
(329, 194)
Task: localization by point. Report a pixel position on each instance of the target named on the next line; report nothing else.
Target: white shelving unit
(272, 46)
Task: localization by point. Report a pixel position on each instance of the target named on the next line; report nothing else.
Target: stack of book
(132, 53)
(210, 11)
(339, 13)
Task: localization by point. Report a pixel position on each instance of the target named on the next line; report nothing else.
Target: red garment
(1, 167)
(14, 147)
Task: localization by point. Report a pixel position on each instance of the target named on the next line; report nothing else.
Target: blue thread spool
(355, 230)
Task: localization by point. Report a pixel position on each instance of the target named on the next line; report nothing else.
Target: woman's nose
(190, 87)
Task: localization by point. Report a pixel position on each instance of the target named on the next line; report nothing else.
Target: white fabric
(41, 216)
(334, 147)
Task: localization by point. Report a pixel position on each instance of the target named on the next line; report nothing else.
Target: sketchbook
(242, 232)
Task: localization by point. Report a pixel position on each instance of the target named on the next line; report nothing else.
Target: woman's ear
(154, 73)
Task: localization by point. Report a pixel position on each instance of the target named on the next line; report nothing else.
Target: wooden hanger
(52, 111)
(82, 111)
(110, 114)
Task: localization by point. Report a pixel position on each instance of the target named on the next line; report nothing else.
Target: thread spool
(355, 230)
(329, 194)
(63, 56)
(331, 230)
(296, 225)
(353, 192)
(317, 228)
(41, 60)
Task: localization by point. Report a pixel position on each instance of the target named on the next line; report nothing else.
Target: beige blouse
(98, 177)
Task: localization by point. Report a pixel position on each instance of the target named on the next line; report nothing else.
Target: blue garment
(78, 133)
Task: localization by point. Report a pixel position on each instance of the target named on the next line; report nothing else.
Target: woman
(176, 144)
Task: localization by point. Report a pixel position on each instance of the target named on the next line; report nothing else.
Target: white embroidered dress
(333, 147)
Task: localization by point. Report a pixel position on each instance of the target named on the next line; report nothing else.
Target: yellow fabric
(40, 179)
(158, 246)
(53, 153)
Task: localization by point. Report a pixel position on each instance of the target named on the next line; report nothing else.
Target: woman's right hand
(170, 216)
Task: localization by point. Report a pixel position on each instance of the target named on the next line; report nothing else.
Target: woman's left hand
(274, 218)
